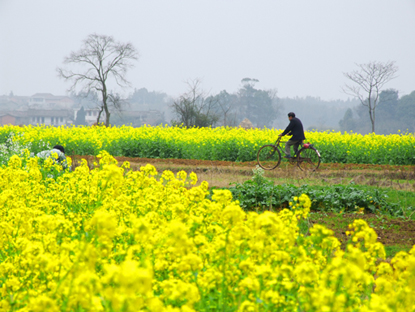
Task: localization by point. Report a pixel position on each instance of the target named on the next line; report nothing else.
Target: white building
(91, 115)
(49, 117)
(48, 101)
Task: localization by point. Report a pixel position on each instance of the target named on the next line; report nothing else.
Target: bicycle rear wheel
(269, 157)
(308, 159)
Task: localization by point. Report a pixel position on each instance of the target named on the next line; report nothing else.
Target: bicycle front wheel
(308, 159)
(269, 157)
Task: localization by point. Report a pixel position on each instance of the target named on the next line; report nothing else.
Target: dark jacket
(295, 128)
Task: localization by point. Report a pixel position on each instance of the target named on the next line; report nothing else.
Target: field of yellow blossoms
(113, 239)
(233, 144)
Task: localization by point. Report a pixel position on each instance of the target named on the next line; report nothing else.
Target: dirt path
(252, 164)
(399, 177)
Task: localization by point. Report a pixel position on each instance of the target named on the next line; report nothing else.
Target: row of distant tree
(196, 108)
(261, 107)
(393, 113)
(140, 100)
(264, 108)
(106, 62)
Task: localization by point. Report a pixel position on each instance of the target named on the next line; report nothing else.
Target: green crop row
(261, 194)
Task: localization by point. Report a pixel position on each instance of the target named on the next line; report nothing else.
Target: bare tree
(100, 59)
(227, 103)
(370, 79)
(193, 108)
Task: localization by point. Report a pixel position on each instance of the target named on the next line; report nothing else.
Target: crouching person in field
(57, 153)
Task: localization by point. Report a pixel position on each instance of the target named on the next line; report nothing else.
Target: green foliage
(391, 251)
(10, 148)
(258, 104)
(194, 108)
(337, 198)
(258, 177)
(348, 122)
(80, 117)
(392, 114)
(192, 112)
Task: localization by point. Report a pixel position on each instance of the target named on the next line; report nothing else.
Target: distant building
(50, 101)
(246, 124)
(91, 115)
(50, 110)
(50, 117)
(37, 116)
(11, 102)
(13, 118)
(125, 117)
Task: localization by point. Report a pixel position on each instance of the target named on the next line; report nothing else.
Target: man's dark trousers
(290, 143)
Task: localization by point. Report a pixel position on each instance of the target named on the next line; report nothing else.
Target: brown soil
(186, 162)
(391, 232)
(252, 164)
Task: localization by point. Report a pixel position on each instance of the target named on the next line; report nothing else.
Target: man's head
(60, 147)
(291, 115)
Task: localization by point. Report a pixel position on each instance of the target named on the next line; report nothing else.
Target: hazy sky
(298, 47)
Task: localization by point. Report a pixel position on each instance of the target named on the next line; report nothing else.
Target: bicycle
(307, 158)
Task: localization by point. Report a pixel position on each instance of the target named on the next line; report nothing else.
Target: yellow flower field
(113, 239)
(233, 144)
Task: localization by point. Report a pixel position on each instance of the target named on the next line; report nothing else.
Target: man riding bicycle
(295, 128)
